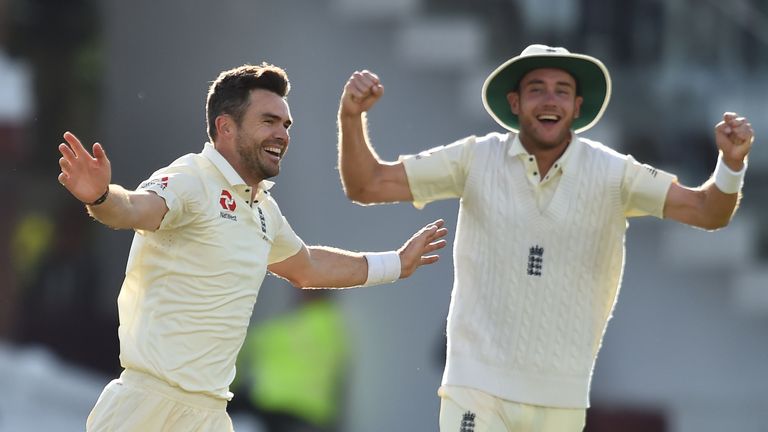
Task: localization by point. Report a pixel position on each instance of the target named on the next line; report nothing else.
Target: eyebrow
(540, 81)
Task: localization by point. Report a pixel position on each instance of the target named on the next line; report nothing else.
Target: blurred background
(687, 349)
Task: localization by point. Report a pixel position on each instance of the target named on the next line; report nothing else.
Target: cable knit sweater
(534, 287)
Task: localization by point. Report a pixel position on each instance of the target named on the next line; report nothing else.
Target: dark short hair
(230, 92)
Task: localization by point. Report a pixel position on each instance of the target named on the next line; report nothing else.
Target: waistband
(199, 400)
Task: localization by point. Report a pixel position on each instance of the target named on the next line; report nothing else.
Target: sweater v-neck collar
(568, 164)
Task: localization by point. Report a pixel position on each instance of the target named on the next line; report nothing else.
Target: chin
(553, 142)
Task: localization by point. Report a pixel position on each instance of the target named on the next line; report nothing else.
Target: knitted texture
(535, 289)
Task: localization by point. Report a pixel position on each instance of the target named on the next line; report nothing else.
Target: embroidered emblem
(228, 205)
(468, 422)
(653, 171)
(535, 260)
(263, 221)
(226, 201)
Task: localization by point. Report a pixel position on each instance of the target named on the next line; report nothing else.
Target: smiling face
(256, 145)
(546, 105)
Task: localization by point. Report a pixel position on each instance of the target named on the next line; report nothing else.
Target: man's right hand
(362, 91)
(417, 251)
(86, 177)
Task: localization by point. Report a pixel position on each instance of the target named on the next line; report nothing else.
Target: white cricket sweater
(533, 289)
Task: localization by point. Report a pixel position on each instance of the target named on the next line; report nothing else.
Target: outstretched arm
(712, 205)
(88, 177)
(324, 267)
(366, 178)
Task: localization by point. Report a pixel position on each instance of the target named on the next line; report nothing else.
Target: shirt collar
(226, 169)
(517, 149)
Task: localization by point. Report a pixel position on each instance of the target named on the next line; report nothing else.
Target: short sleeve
(438, 173)
(181, 192)
(286, 243)
(644, 189)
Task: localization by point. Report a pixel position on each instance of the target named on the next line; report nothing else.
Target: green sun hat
(592, 80)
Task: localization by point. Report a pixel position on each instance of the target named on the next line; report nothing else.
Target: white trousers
(137, 402)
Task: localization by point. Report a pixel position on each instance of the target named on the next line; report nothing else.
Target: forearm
(358, 161)
(123, 209)
(327, 267)
(718, 207)
(335, 268)
(711, 205)
(332, 268)
(722, 192)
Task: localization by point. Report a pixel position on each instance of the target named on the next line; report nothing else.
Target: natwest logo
(226, 201)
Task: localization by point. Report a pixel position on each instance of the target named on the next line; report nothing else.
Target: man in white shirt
(539, 249)
(207, 230)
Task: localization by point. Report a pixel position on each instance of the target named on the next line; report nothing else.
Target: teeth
(275, 150)
(548, 117)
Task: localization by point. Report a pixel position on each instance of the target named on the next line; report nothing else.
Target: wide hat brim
(592, 78)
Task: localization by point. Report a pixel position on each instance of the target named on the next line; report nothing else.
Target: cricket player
(207, 231)
(539, 247)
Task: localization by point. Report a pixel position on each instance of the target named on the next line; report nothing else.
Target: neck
(250, 181)
(230, 154)
(546, 156)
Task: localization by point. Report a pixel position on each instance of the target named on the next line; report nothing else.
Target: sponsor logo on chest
(228, 205)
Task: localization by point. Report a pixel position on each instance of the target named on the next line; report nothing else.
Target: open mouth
(275, 152)
(548, 119)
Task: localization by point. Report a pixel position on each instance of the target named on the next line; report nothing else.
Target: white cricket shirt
(190, 286)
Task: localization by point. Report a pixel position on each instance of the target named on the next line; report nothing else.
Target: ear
(514, 102)
(224, 125)
(577, 106)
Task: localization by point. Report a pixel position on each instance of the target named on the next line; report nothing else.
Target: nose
(282, 134)
(550, 99)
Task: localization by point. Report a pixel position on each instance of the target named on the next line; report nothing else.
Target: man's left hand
(734, 137)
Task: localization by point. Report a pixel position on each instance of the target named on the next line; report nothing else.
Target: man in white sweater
(539, 248)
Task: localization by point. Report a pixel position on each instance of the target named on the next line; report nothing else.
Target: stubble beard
(538, 141)
(249, 155)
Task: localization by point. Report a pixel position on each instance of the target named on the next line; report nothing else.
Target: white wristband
(728, 180)
(383, 267)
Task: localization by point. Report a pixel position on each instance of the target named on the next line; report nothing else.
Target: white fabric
(137, 402)
(536, 279)
(728, 180)
(383, 267)
(467, 409)
(190, 286)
